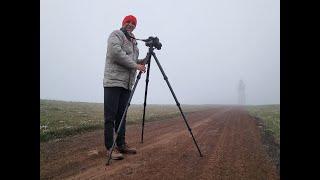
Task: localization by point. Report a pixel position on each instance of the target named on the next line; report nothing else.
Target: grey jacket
(121, 61)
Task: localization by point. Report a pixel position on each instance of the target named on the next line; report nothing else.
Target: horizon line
(162, 104)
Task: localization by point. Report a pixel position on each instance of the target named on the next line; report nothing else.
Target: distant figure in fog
(241, 93)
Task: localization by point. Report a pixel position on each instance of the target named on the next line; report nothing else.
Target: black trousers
(115, 101)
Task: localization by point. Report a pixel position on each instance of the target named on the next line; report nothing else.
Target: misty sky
(208, 46)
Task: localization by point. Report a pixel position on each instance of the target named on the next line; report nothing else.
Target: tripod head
(153, 42)
(150, 42)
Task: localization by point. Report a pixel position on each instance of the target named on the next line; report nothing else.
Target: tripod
(150, 52)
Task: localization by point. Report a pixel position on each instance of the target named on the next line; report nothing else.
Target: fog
(208, 47)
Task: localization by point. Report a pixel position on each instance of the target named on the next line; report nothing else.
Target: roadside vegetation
(270, 116)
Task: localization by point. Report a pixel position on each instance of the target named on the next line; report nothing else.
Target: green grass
(59, 119)
(270, 115)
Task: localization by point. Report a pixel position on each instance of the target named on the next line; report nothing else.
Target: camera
(150, 42)
(153, 42)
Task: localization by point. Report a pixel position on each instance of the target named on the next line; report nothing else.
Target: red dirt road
(227, 136)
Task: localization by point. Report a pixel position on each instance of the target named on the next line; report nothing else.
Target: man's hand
(141, 67)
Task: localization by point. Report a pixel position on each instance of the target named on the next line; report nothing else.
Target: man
(119, 76)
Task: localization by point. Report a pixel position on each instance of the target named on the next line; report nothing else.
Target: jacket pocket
(119, 75)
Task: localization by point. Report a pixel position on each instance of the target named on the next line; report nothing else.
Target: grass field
(59, 119)
(270, 115)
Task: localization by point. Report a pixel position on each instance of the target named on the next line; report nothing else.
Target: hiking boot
(125, 149)
(116, 155)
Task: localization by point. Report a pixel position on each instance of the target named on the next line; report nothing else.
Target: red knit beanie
(128, 19)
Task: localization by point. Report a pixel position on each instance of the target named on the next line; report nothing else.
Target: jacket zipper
(133, 53)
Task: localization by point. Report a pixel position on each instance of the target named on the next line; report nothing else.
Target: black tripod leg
(178, 104)
(124, 113)
(145, 99)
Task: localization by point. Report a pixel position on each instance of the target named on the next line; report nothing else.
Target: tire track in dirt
(238, 154)
(169, 136)
(217, 155)
(188, 161)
